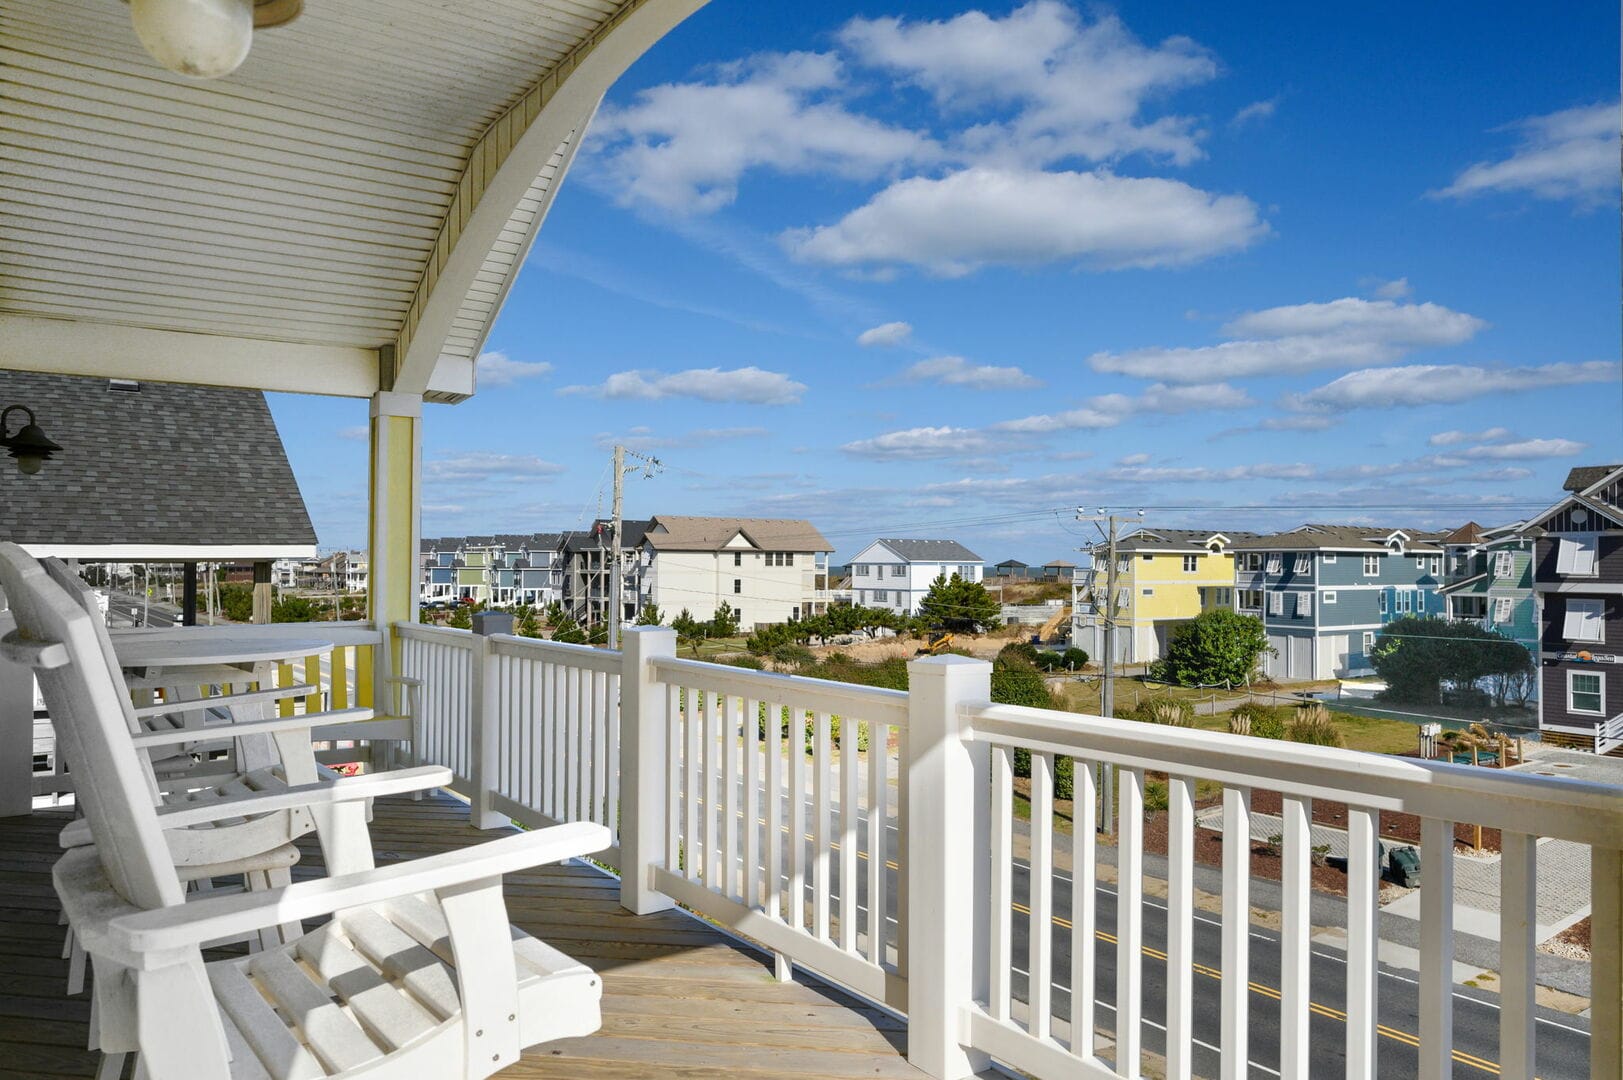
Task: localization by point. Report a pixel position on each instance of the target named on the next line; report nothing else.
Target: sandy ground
(985, 646)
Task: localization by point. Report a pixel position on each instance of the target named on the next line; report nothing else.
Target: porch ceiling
(368, 180)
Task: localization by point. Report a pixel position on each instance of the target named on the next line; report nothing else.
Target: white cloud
(1433, 384)
(747, 385)
(1257, 110)
(1455, 438)
(359, 433)
(921, 443)
(1525, 450)
(1567, 155)
(1396, 289)
(1302, 337)
(1134, 459)
(954, 224)
(644, 438)
(1351, 318)
(477, 465)
(498, 369)
(683, 147)
(885, 335)
(1041, 84)
(1168, 474)
(1299, 422)
(956, 371)
(1108, 410)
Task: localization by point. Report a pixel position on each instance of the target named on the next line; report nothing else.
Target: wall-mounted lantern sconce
(28, 446)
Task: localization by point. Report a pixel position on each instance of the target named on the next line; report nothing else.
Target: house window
(1575, 556)
(1250, 599)
(1330, 597)
(1123, 597)
(1372, 566)
(1502, 608)
(1586, 692)
(881, 596)
(1149, 592)
(1369, 642)
(1504, 564)
(1304, 604)
(786, 558)
(1328, 556)
(862, 569)
(1253, 561)
(1274, 561)
(1276, 603)
(862, 596)
(738, 585)
(738, 558)
(1436, 565)
(966, 571)
(1383, 601)
(1419, 562)
(1147, 558)
(898, 570)
(1584, 620)
(1124, 566)
(1190, 563)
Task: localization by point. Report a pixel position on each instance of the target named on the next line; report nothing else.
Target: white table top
(226, 647)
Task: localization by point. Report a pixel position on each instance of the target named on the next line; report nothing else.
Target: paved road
(1563, 1040)
(140, 612)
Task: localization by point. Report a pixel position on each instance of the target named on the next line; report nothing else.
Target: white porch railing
(868, 836)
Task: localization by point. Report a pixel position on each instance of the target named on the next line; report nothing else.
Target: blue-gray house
(1324, 591)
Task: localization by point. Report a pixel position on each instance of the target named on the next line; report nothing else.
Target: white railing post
(645, 764)
(484, 720)
(949, 829)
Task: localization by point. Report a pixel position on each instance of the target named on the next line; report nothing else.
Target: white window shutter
(1304, 603)
(1276, 603)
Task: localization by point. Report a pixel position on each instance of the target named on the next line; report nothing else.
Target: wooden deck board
(681, 1000)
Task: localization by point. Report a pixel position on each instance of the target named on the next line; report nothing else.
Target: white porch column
(948, 845)
(396, 502)
(645, 769)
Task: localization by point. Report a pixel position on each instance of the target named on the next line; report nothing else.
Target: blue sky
(928, 269)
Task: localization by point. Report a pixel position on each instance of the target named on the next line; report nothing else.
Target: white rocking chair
(417, 974)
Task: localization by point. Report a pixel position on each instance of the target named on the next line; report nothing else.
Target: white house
(896, 574)
(770, 570)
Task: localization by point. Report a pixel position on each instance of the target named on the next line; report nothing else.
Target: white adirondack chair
(416, 974)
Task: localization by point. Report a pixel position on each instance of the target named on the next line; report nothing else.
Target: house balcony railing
(869, 836)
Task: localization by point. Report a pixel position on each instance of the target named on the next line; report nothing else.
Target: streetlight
(28, 446)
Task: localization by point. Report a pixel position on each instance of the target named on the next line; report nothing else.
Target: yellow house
(1163, 577)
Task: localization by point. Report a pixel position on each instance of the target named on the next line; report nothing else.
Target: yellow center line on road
(1327, 1011)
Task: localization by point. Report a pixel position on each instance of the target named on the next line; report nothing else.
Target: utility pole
(1108, 614)
(614, 547)
(648, 466)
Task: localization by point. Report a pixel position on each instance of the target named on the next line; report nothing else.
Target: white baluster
(1363, 912)
(1084, 901)
(1180, 927)
(1000, 959)
(1235, 1011)
(1129, 920)
(1040, 935)
(1436, 947)
(1518, 944)
(1295, 937)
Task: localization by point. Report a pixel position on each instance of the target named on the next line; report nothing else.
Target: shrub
(1313, 725)
(792, 653)
(1165, 710)
(1155, 796)
(1260, 721)
(1050, 661)
(1020, 686)
(1016, 652)
(1075, 658)
(744, 662)
(1239, 723)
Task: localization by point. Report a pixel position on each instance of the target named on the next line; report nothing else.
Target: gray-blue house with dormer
(1324, 591)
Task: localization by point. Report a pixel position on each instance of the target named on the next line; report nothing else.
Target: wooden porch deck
(679, 1000)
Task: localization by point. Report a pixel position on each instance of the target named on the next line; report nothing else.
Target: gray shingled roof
(931, 550)
(1175, 540)
(170, 465)
(1587, 476)
(672, 532)
(1316, 536)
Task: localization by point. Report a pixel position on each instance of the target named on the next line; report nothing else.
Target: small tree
(956, 604)
(1217, 646)
(554, 615)
(690, 631)
(724, 623)
(526, 623)
(650, 615)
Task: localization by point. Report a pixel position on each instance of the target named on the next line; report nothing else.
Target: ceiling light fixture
(205, 38)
